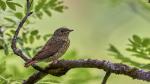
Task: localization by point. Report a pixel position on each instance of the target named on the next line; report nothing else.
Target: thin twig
(107, 75)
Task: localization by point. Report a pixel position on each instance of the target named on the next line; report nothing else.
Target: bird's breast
(64, 48)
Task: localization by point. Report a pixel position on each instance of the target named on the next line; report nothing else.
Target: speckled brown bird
(55, 47)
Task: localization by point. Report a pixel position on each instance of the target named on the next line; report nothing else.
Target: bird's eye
(62, 31)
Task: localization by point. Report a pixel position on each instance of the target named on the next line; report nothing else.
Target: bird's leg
(55, 61)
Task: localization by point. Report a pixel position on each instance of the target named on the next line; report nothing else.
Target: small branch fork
(107, 75)
(63, 66)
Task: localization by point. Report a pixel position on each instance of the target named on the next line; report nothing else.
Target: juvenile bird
(55, 47)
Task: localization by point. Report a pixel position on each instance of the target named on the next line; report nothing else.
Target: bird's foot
(54, 61)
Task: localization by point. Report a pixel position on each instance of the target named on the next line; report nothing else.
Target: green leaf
(11, 5)
(145, 66)
(31, 39)
(10, 26)
(19, 15)
(38, 37)
(59, 8)
(148, 49)
(2, 5)
(118, 55)
(47, 12)
(137, 39)
(45, 37)
(39, 14)
(40, 5)
(27, 21)
(60, 2)
(32, 5)
(34, 32)
(6, 49)
(134, 44)
(51, 3)
(113, 49)
(1, 43)
(24, 36)
(12, 31)
(146, 42)
(20, 41)
(10, 20)
(131, 49)
(17, 4)
(27, 51)
(8, 34)
(38, 47)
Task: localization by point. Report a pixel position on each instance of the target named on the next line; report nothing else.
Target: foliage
(11, 14)
(139, 47)
(10, 74)
(28, 35)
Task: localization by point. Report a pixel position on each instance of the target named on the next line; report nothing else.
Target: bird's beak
(71, 30)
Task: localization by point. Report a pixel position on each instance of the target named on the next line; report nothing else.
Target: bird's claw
(55, 62)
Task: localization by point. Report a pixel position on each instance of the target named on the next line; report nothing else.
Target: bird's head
(62, 32)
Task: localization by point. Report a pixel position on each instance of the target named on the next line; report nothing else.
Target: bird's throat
(64, 38)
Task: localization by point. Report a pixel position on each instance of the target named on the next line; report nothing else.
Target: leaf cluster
(45, 6)
(11, 14)
(28, 35)
(9, 4)
(139, 47)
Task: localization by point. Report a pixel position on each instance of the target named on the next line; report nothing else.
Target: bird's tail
(30, 62)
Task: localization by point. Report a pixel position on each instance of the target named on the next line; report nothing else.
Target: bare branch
(63, 66)
(14, 47)
(16, 50)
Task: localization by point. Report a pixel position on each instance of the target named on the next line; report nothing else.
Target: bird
(54, 48)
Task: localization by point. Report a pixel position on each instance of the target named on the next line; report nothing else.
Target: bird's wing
(49, 49)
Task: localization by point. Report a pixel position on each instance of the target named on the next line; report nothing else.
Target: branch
(107, 75)
(63, 66)
(14, 47)
(16, 50)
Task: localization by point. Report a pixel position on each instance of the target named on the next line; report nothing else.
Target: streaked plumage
(55, 47)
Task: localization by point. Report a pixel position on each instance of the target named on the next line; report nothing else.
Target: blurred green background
(97, 23)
